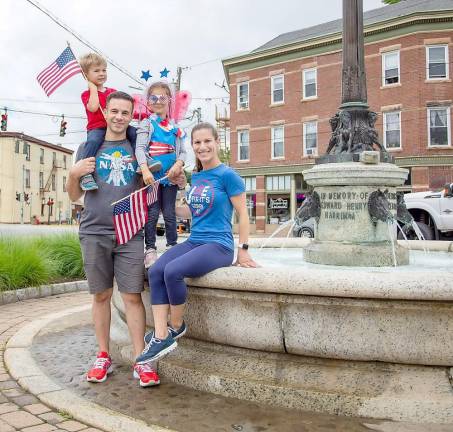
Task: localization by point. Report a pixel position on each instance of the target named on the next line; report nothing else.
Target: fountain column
(355, 181)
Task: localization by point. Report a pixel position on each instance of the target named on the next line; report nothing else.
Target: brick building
(284, 92)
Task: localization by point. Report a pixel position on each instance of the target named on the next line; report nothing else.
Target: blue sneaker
(87, 182)
(156, 349)
(174, 333)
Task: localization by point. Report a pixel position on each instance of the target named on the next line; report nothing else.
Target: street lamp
(352, 126)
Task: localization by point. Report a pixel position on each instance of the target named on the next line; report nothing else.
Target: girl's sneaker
(87, 182)
(101, 368)
(156, 349)
(146, 374)
(150, 257)
(154, 165)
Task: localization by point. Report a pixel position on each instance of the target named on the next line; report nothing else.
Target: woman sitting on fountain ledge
(215, 190)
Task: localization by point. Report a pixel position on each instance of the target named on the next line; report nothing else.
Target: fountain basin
(280, 321)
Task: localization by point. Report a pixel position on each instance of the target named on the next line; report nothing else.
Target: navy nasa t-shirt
(116, 177)
(209, 202)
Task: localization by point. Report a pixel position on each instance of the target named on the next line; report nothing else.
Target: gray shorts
(104, 260)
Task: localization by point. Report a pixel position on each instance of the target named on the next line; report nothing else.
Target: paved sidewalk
(19, 410)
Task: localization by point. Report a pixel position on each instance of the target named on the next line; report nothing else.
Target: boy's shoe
(154, 165)
(175, 334)
(156, 349)
(101, 368)
(87, 182)
(150, 257)
(146, 374)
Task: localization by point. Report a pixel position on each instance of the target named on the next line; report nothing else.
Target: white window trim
(316, 83)
(447, 65)
(428, 117)
(239, 108)
(305, 136)
(273, 77)
(239, 145)
(384, 131)
(384, 54)
(272, 141)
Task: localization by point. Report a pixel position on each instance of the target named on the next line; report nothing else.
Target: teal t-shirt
(209, 202)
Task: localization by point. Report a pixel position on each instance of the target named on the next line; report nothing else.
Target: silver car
(304, 229)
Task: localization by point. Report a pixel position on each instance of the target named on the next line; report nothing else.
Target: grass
(37, 261)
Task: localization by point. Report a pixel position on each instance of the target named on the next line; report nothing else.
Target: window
(64, 162)
(310, 138)
(250, 184)
(277, 89)
(278, 142)
(310, 83)
(243, 96)
(54, 182)
(54, 159)
(64, 184)
(26, 151)
(437, 61)
(17, 146)
(390, 68)
(41, 180)
(392, 130)
(439, 126)
(278, 183)
(41, 156)
(243, 142)
(27, 178)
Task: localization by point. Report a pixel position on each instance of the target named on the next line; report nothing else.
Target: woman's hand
(245, 260)
(175, 171)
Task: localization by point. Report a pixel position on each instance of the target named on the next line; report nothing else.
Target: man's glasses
(154, 99)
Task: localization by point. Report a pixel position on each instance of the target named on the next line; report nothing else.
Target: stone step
(367, 389)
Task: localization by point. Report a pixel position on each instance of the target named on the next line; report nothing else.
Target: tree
(225, 155)
(389, 2)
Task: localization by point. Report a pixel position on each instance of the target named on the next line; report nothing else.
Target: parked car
(433, 213)
(183, 225)
(304, 229)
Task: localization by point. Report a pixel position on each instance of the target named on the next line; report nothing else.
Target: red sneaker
(101, 368)
(147, 375)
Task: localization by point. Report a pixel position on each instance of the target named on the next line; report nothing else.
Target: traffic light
(63, 125)
(4, 123)
(17, 196)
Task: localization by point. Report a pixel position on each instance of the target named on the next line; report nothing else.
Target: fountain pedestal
(346, 235)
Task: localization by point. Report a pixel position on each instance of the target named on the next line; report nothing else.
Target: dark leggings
(166, 276)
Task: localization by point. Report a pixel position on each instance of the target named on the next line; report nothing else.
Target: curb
(13, 296)
(28, 374)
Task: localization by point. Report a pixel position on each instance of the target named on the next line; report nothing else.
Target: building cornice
(28, 138)
(416, 22)
(404, 162)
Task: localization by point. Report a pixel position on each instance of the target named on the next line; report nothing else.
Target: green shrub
(32, 262)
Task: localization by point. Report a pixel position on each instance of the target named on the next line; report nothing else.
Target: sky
(139, 36)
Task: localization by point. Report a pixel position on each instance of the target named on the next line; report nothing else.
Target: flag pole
(138, 190)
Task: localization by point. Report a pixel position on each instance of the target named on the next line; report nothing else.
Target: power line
(83, 40)
(44, 114)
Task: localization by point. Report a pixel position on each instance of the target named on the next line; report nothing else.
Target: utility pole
(22, 196)
(178, 78)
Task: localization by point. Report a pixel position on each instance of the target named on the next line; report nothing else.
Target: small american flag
(63, 68)
(131, 213)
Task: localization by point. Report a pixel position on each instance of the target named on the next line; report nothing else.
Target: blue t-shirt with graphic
(211, 207)
(162, 145)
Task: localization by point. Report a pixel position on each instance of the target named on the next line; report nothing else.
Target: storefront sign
(278, 203)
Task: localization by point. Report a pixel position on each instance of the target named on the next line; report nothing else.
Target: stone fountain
(371, 340)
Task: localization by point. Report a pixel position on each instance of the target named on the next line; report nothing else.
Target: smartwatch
(244, 246)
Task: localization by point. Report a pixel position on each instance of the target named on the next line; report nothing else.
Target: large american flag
(63, 68)
(131, 213)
